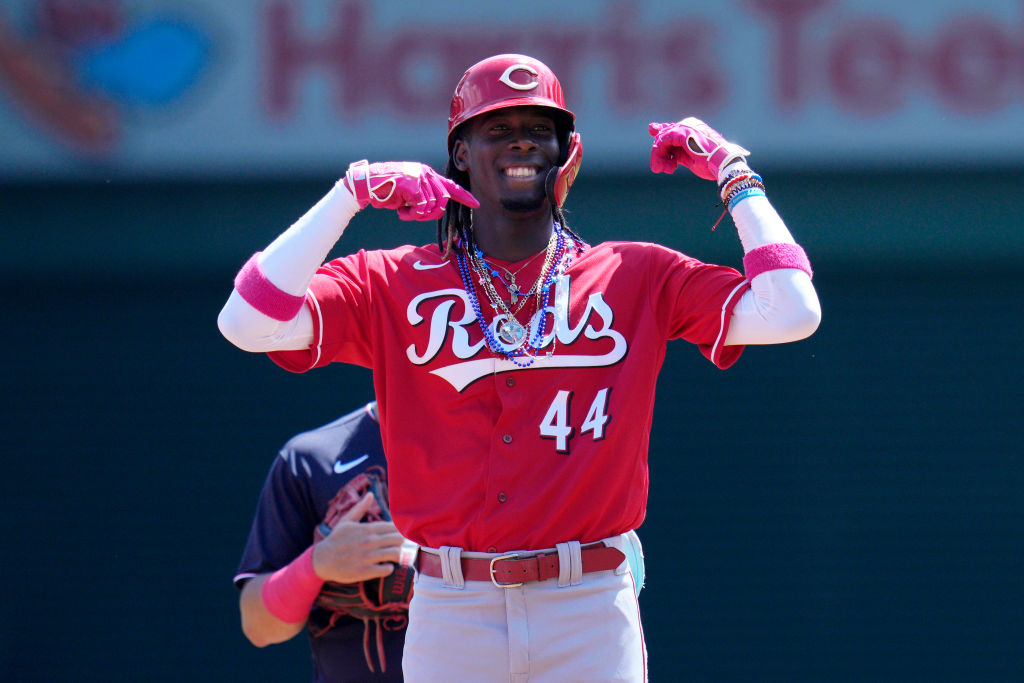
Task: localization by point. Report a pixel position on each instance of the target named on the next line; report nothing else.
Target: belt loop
(635, 554)
(625, 543)
(563, 564)
(570, 564)
(451, 567)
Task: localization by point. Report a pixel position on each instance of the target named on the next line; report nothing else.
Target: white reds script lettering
(506, 77)
(461, 375)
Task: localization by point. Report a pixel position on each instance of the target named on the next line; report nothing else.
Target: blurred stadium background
(847, 508)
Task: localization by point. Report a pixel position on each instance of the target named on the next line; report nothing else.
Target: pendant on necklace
(513, 288)
(511, 332)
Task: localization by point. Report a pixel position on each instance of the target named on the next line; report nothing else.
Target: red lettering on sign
(867, 66)
(973, 65)
(864, 63)
(340, 53)
(872, 64)
(620, 39)
(788, 18)
(412, 71)
(80, 22)
(696, 83)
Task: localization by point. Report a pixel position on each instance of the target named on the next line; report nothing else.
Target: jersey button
(507, 438)
(492, 549)
(502, 497)
(510, 381)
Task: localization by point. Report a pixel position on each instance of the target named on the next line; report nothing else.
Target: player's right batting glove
(417, 191)
(694, 144)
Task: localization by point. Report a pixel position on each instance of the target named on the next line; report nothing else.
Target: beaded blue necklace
(514, 289)
(516, 344)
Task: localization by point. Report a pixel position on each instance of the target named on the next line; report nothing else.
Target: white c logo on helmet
(506, 77)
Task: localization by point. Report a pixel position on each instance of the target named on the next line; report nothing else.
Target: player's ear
(460, 155)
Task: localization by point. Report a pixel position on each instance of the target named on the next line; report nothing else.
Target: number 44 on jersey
(557, 423)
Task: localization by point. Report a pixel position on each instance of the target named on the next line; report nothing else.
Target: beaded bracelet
(731, 183)
(735, 175)
(737, 186)
(740, 187)
(732, 174)
(740, 180)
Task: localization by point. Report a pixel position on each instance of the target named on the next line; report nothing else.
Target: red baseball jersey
(489, 456)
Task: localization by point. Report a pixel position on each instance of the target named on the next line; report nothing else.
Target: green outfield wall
(845, 508)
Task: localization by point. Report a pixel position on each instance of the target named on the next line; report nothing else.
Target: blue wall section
(845, 508)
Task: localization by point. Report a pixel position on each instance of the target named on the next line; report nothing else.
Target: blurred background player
(515, 366)
(304, 480)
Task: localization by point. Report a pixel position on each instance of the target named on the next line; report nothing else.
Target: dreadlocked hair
(456, 224)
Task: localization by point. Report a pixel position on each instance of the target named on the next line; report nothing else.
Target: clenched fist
(694, 144)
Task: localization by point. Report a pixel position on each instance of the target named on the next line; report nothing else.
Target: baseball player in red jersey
(515, 368)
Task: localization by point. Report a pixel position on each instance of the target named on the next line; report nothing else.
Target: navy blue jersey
(305, 476)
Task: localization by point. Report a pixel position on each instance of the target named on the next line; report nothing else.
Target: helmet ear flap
(565, 128)
(560, 178)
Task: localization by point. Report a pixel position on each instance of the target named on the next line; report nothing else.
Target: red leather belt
(510, 570)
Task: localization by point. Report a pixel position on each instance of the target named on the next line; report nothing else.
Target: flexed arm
(265, 310)
(781, 305)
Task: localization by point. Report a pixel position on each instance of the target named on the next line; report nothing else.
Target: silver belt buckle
(510, 556)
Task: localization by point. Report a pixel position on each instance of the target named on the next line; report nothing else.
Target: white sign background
(123, 89)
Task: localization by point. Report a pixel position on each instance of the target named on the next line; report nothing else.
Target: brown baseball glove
(382, 602)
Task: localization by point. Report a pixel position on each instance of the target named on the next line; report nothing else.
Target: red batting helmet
(505, 81)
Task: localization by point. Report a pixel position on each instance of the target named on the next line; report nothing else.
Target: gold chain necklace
(512, 286)
(511, 331)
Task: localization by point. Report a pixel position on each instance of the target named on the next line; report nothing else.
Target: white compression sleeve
(291, 260)
(756, 220)
(289, 263)
(781, 305)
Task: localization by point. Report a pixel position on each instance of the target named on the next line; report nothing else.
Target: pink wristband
(289, 592)
(775, 256)
(264, 295)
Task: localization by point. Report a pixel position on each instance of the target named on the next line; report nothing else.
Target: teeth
(521, 172)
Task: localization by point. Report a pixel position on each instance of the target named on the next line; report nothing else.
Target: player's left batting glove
(694, 144)
(417, 191)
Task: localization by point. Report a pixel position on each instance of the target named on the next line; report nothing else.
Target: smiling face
(507, 154)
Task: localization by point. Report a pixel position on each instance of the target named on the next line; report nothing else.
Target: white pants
(579, 627)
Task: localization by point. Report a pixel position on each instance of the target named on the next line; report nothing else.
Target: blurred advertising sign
(250, 88)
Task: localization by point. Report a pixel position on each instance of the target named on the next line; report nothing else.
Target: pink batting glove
(417, 191)
(694, 144)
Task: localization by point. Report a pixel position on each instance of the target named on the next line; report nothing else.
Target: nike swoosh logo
(419, 265)
(340, 467)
